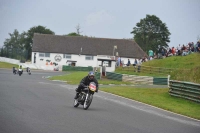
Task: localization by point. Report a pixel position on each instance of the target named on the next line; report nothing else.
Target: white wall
(9, 60)
(81, 61)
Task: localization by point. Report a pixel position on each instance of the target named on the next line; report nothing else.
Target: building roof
(85, 45)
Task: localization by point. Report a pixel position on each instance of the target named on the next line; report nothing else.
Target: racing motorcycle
(20, 71)
(28, 70)
(85, 96)
(14, 70)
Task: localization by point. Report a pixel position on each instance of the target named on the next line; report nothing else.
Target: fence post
(168, 80)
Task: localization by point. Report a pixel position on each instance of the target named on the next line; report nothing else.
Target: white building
(82, 51)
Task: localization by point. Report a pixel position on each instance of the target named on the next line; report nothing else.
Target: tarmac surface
(33, 104)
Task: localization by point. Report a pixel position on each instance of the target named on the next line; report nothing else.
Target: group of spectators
(180, 50)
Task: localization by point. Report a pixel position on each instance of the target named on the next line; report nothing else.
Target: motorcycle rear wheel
(76, 104)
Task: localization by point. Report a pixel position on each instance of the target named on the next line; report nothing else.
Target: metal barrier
(138, 79)
(150, 69)
(76, 68)
(185, 90)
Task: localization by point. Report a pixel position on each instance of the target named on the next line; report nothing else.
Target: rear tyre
(76, 104)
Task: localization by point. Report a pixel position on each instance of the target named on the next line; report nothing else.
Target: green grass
(159, 98)
(183, 62)
(7, 65)
(74, 77)
(184, 68)
(121, 71)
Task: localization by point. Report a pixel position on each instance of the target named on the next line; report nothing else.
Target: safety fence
(98, 75)
(138, 79)
(76, 68)
(185, 90)
(149, 69)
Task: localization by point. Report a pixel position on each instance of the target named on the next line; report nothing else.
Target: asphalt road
(32, 104)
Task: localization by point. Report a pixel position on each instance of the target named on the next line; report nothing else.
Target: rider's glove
(97, 90)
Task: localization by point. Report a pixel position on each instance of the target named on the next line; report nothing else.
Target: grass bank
(158, 97)
(7, 65)
(183, 68)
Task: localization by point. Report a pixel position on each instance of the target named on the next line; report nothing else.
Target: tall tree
(29, 37)
(151, 33)
(14, 44)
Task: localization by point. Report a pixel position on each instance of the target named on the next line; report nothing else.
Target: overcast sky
(101, 18)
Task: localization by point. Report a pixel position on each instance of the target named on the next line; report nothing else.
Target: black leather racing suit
(85, 82)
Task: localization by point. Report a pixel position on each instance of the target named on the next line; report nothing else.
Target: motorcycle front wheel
(88, 101)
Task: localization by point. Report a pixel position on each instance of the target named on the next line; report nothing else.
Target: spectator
(198, 47)
(173, 51)
(118, 61)
(184, 50)
(135, 63)
(139, 64)
(179, 49)
(128, 64)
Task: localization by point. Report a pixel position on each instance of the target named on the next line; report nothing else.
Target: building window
(67, 56)
(47, 54)
(88, 57)
(44, 54)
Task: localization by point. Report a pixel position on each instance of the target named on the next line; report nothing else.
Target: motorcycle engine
(81, 97)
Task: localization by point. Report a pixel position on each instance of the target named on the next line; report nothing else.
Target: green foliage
(73, 34)
(151, 33)
(29, 37)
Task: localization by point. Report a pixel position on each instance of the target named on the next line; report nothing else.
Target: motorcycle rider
(20, 67)
(27, 69)
(14, 70)
(85, 82)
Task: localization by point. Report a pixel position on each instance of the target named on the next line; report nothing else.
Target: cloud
(100, 17)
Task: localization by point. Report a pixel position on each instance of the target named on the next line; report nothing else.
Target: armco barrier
(185, 90)
(137, 79)
(76, 68)
(114, 76)
(97, 75)
(160, 81)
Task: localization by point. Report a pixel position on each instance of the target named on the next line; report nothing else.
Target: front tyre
(88, 101)
(76, 103)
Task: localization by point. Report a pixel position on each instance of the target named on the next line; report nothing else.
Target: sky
(101, 18)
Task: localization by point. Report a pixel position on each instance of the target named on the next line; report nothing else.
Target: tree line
(150, 34)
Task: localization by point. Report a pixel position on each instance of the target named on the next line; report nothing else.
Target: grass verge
(7, 65)
(158, 97)
(75, 78)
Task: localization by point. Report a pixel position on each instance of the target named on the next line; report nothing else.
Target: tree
(73, 34)
(29, 37)
(78, 29)
(151, 33)
(14, 45)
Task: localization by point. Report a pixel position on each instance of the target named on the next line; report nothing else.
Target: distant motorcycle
(14, 70)
(20, 71)
(86, 96)
(28, 70)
